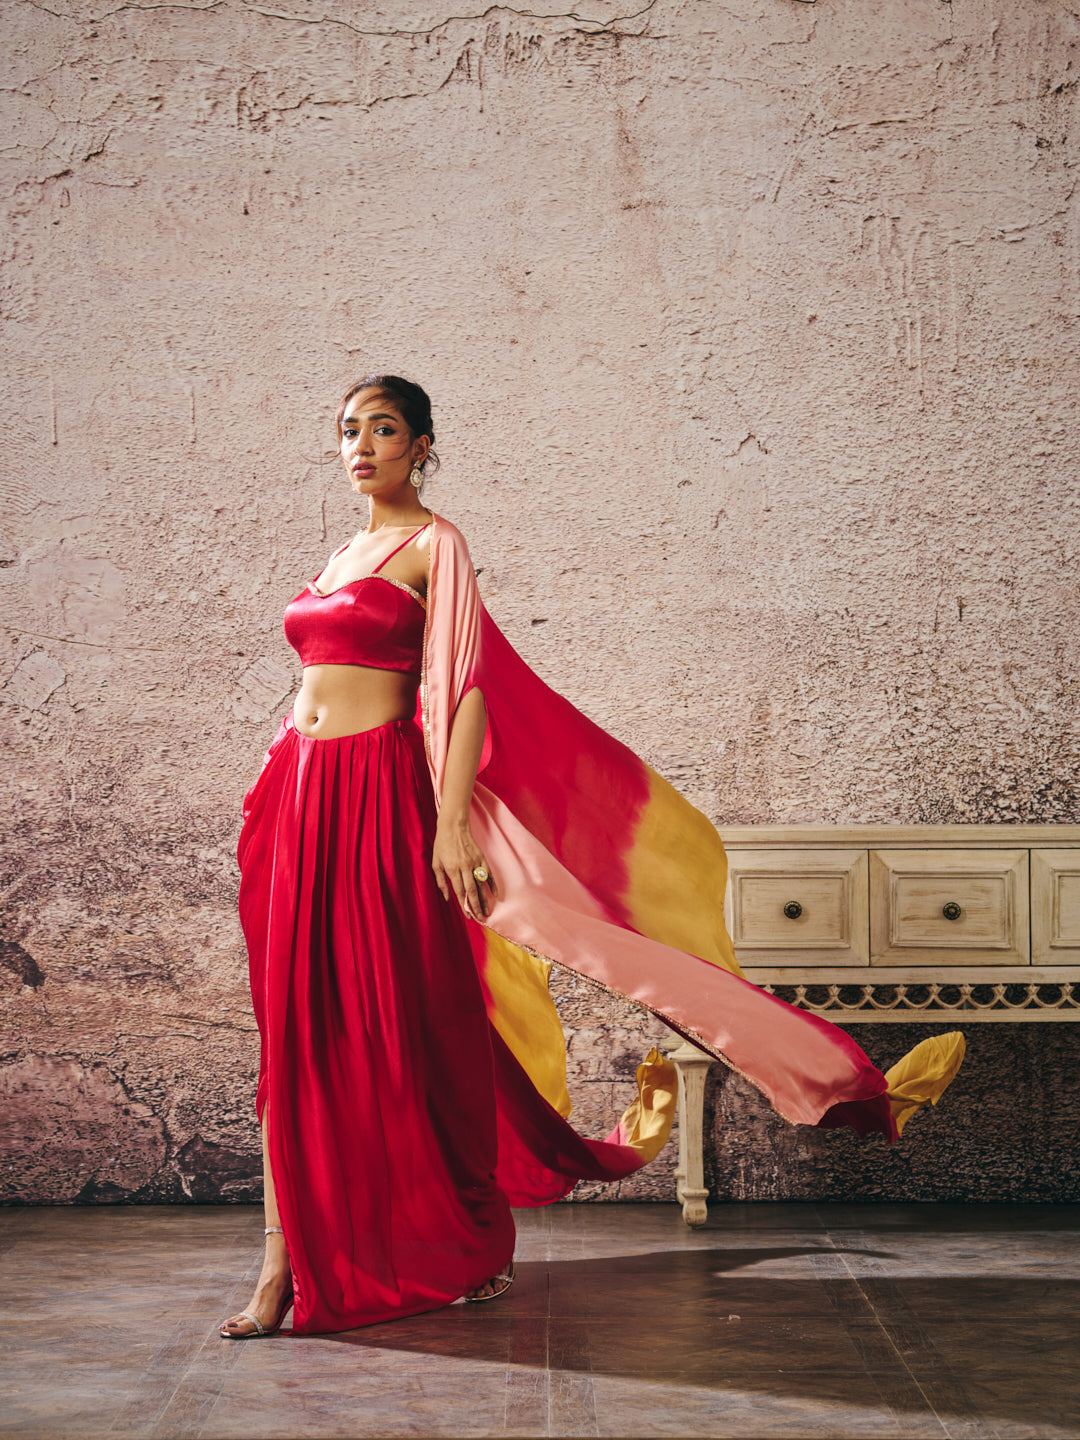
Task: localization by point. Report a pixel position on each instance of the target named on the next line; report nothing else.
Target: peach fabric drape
(604, 869)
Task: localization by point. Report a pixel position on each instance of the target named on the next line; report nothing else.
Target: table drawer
(791, 907)
(955, 907)
(1055, 907)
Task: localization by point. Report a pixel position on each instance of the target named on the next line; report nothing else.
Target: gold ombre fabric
(677, 861)
(604, 869)
(923, 1075)
(646, 1124)
(523, 1012)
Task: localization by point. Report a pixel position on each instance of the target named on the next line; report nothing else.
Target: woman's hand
(454, 857)
(455, 854)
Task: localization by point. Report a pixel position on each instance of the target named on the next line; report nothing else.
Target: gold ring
(480, 873)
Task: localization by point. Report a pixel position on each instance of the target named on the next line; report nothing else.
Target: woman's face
(376, 446)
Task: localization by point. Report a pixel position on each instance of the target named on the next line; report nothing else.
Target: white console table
(870, 924)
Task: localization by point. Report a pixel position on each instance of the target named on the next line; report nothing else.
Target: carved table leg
(692, 1065)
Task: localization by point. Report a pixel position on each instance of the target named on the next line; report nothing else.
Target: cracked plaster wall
(751, 330)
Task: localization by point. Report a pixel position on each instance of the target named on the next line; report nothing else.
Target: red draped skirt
(399, 1125)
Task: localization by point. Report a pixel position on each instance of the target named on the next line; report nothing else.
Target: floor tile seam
(946, 1370)
(509, 1397)
(193, 1359)
(586, 1427)
(547, 1353)
(901, 1362)
(165, 1427)
(159, 1409)
(218, 1378)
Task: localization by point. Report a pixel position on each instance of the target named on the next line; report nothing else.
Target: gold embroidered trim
(425, 717)
(401, 586)
(377, 573)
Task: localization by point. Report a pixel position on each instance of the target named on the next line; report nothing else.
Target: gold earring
(416, 476)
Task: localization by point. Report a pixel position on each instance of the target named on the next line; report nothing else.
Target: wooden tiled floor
(776, 1320)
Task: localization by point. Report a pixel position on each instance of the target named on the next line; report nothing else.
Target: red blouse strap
(399, 547)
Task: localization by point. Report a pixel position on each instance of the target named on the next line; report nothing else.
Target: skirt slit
(376, 1056)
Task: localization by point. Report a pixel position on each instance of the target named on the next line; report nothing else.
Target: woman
(408, 875)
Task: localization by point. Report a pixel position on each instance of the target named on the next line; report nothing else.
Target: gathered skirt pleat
(376, 1077)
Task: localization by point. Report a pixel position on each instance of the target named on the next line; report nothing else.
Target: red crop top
(379, 625)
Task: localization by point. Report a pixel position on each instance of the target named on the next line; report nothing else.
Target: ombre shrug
(604, 869)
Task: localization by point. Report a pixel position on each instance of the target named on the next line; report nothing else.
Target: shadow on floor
(959, 1348)
(775, 1322)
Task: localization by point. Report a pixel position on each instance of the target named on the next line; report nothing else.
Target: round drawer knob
(951, 911)
(793, 909)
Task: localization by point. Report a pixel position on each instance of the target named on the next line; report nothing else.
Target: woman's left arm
(455, 854)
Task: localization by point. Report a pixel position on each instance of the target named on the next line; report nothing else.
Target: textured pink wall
(751, 330)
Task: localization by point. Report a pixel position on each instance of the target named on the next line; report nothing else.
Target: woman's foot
(493, 1288)
(273, 1295)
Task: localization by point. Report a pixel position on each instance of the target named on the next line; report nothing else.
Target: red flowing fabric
(541, 1157)
(605, 869)
(413, 1063)
(400, 1126)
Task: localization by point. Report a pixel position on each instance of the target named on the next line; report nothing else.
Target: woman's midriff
(338, 700)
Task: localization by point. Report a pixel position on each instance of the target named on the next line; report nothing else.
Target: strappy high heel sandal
(261, 1331)
(503, 1280)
